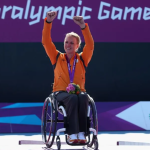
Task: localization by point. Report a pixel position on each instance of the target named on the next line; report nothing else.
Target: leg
(70, 102)
(83, 107)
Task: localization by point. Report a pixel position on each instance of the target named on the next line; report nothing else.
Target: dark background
(117, 72)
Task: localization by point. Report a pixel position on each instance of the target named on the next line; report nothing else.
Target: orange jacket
(61, 74)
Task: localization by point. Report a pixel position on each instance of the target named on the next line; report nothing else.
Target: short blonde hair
(76, 36)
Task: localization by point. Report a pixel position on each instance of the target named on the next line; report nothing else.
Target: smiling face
(70, 44)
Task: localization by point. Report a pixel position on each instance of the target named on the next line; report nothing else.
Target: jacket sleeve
(47, 42)
(89, 45)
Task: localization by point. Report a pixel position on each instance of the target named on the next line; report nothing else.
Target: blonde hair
(76, 36)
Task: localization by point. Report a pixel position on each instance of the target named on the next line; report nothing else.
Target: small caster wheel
(95, 144)
(48, 145)
(58, 143)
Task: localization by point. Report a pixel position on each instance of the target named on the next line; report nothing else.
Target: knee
(74, 99)
(83, 98)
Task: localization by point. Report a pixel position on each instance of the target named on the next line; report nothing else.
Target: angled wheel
(58, 142)
(94, 120)
(95, 144)
(49, 122)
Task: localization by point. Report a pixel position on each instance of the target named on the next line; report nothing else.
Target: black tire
(94, 120)
(95, 144)
(58, 144)
(49, 122)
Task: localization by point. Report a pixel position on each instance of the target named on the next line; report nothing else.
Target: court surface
(107, 140)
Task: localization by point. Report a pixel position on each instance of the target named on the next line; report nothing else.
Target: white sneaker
(81, 138)
(72, 138)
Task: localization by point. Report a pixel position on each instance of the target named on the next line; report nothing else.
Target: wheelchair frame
(52, 119)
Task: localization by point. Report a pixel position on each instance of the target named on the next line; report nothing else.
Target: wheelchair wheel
(95, 144)
(94, 122)
(49, 122)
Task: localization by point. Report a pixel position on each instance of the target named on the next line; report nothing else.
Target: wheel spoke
(49, 116)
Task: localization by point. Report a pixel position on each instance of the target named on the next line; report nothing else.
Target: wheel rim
(94, 117)
(94, 121)
(48, 127)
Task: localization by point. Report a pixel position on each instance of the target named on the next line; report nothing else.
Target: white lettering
(18, 15)
(133, 11)
(84, 11)
(58, 9)
(5, 9)
(72, 9)
(100, 17)
(79, 8)
(80, 2)
(106, 11)
(117, 16)
(146, 15)
(27, 9)
(37, 16)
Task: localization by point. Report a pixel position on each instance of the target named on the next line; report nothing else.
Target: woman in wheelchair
(69, 74)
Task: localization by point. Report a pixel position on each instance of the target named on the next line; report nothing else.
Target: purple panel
(19, 128)
(5, 128)
(106, 111)
(21, 111)
(19, 25)
(106, 106)
(109, 122)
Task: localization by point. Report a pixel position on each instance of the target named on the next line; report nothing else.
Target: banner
(109, 20)
(112, 116)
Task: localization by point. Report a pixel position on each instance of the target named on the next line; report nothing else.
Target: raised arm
(89, 42)
(46, 37)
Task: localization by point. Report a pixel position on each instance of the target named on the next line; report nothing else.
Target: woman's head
(72, 42)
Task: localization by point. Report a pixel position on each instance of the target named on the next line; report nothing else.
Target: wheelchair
(49, 121)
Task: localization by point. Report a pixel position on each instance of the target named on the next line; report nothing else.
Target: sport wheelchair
(50, 111)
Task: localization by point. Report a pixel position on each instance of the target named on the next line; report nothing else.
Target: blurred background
(117, 76)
